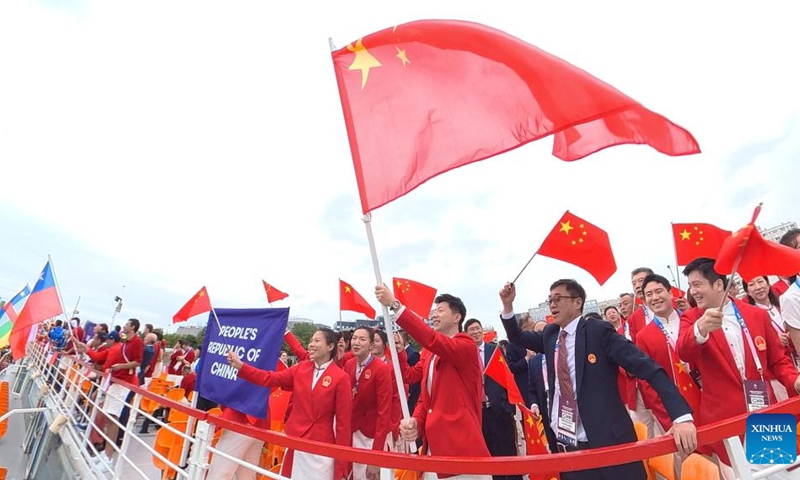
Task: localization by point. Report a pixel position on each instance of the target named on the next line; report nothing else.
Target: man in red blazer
(372, 399)
(640, 318)
(713, 341)
(448, 413)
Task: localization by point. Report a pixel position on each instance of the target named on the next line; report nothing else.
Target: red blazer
(313, 411)
(448, 416)
(652, 342)
(626, 384)
(372, 400)
(723, 395)
(637, 322)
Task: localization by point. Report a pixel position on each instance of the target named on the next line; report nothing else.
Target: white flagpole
(61, 300)
(388, 319)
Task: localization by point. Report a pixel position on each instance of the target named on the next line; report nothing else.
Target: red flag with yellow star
(352, 301)
(497, 369)
(684, 382)
(273, 294)
(695, 240)
(576, 241)
(425, 97)
(758, 256)
(416, 296)
(534, 432)
(196, 305)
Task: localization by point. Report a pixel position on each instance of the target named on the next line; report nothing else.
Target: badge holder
(567, 431)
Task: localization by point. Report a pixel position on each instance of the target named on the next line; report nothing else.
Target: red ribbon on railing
(562, 462)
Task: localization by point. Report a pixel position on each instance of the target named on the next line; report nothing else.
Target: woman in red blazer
(321, 410)
(372, 399)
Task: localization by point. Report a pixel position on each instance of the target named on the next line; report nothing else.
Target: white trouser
(239, 446)
(645, 416)
(361, 441)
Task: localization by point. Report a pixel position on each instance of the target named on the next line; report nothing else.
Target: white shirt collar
(323, 366)
(572, 327)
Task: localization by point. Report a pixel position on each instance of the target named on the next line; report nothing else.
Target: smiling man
(735, 349)
(583, 359)
(448, 413)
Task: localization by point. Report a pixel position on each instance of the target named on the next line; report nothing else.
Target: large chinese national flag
(695, 240)
(576, 241)
(423, 98)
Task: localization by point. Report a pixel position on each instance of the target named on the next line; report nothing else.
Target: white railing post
(387, 474)
(126, 438)
(739, 463)
(198, 460)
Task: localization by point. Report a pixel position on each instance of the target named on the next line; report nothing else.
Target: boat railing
(63, 380)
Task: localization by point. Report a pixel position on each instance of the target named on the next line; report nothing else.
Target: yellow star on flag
(566, 227)
(401, 54)
(347, 289)
(529, 421)
(685, 235)
(363, 60)
(681, 367)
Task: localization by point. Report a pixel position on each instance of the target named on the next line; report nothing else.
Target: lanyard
(746, 333)
(663, 330)
(544, 374)
(626, 328)
(360, 369)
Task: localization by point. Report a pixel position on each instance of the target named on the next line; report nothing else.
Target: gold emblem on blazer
(761, 343)
(368, 374)
(326, 382)
(591, 358)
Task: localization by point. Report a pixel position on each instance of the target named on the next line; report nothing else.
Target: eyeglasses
(557, 299)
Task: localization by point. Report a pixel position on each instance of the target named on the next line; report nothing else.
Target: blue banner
(256, 335)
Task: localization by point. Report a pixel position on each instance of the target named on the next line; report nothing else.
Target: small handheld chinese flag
(576, 241)
(695, 240)
(497, 369)
(490, 336)
(759, 257)
(416, 296)
(534, 432)
(351, 301)
(273, 294)
(199, 303)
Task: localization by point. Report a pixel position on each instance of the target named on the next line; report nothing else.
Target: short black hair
(370, 332)
(637, 271)
(593, 315)
(471, 322)
(330, 339)
(77, 320)
(610, 307)
(456, 306)
(59, 323)
(705, 266)
(573, 288)
(658, 279)
(384, 337)
(134, 323)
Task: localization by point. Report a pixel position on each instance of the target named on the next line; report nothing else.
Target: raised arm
(284, 379)
(297, 348)
(529, 340)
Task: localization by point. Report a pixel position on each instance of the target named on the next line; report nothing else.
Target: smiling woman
(322, 405)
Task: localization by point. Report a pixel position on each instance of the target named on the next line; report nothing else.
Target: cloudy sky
(162, 146)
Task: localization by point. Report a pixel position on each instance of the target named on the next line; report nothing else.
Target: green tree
(303, 332)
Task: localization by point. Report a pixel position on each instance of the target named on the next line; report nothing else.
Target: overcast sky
(164, 146)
